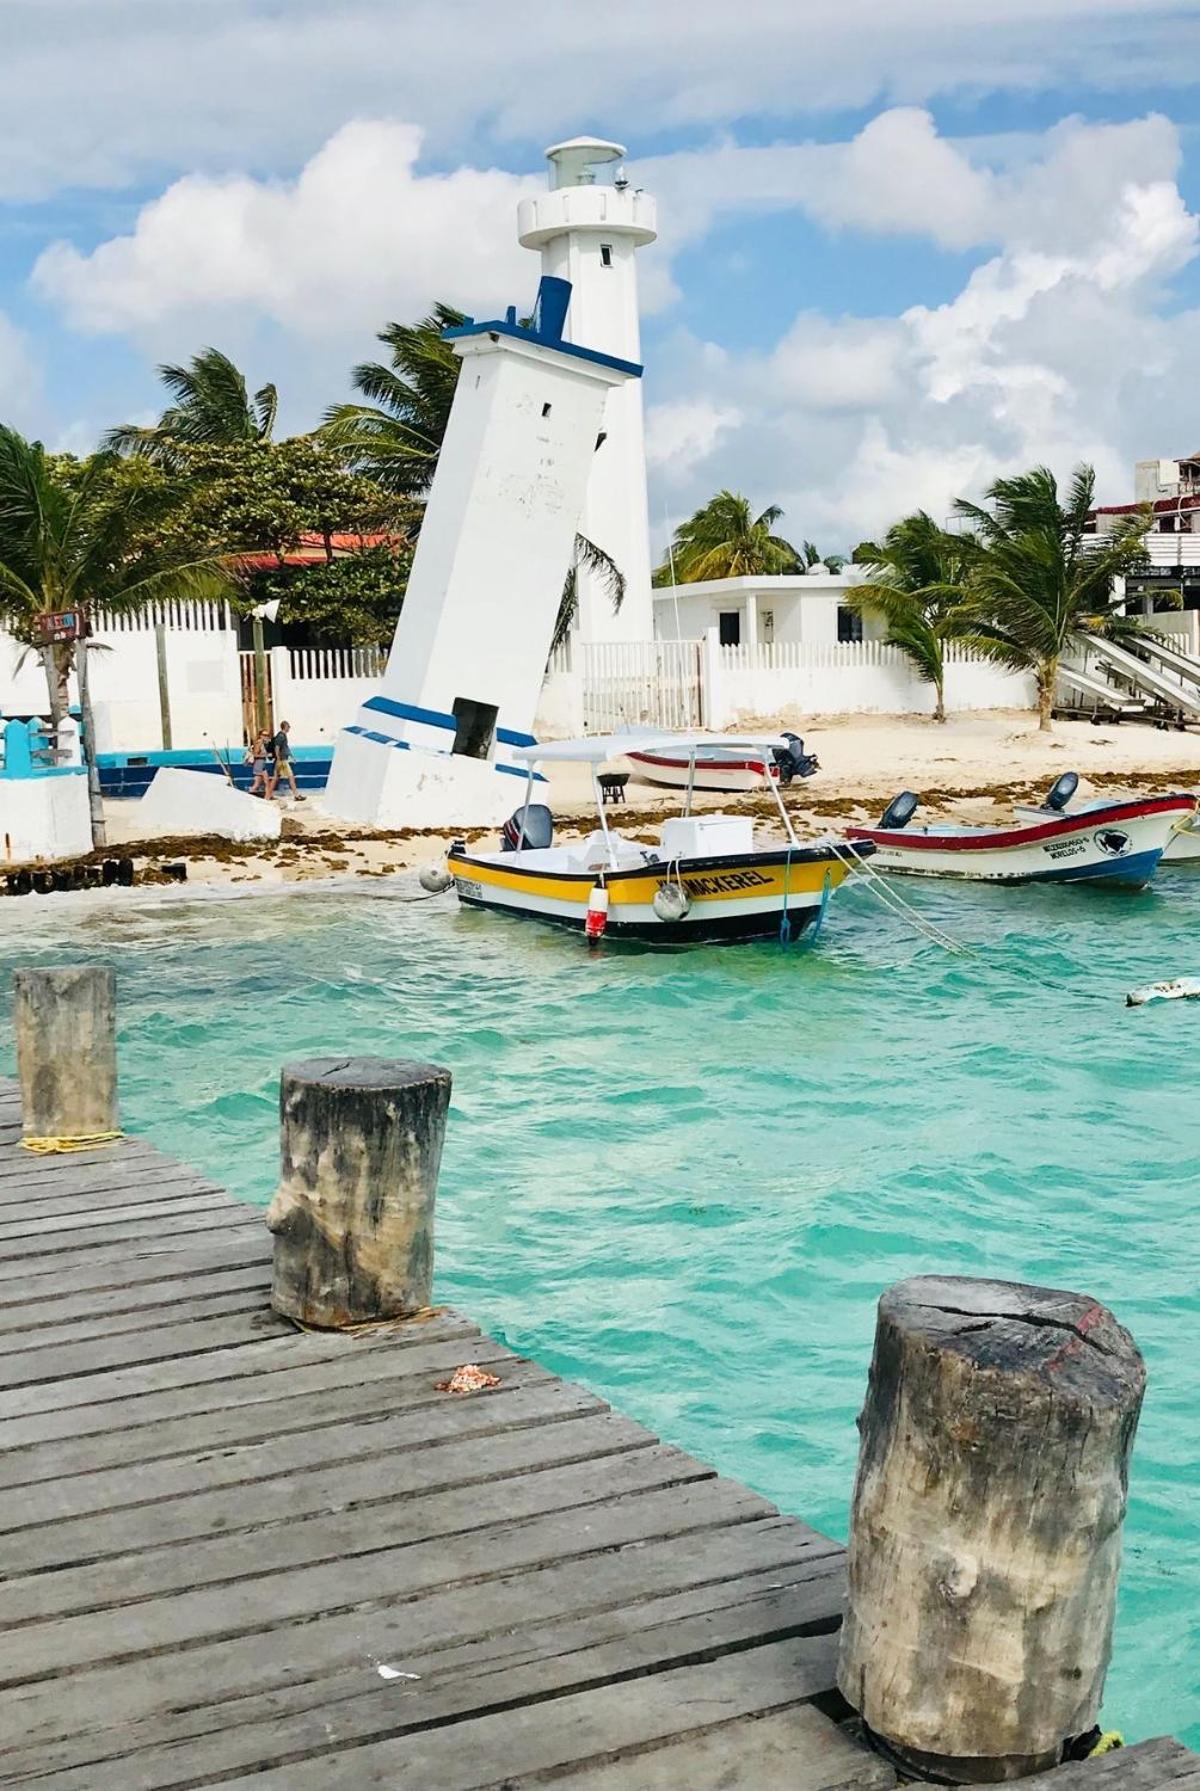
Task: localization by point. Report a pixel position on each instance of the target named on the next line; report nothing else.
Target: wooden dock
(236, 1553)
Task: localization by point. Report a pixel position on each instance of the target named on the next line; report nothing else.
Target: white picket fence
(308, 663)
(186, 615)
(642, 683)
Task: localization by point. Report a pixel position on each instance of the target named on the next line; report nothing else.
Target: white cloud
(20, 377)
(357, 237)
(899, 176)
(1061, 346)
(109, 92)
(682, 435)
(825, 364)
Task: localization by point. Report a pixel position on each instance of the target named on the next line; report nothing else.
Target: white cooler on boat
(705, 836)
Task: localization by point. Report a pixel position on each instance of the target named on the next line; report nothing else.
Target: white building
(588, 229)
(1171, 549)
(810, 608)
(1156, 481)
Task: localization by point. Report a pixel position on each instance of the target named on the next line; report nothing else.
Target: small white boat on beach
(716, 769)
(706, 878)
(1119, 843)
(1183, 841)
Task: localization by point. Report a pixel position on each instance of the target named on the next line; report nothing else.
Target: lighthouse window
(545, 410)
(475, 727)
(605, 254)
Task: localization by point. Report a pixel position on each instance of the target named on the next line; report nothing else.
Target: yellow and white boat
(706, 878)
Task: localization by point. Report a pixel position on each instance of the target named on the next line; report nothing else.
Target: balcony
(1172, 550)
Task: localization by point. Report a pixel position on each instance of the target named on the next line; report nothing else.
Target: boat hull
(1118, 843)
(1183, 847)
(724, 776)
(731, 898)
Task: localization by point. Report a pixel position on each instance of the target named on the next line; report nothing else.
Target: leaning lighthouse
(588, 229)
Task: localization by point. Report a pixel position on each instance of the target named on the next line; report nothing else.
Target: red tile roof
(1161, 506)
(310, 550)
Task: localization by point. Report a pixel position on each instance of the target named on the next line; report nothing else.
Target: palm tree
(914, 583)
(212, 405)
(83, 536)
(726, 540)
(811, 555)
(396, 437)
(1037, 582)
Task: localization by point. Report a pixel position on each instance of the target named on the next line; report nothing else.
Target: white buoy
(1176, 988)
(671, 901)
(435, 879)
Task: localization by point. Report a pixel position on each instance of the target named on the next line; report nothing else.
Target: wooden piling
(986, 1524)
(361, 1141)
(66, 1031)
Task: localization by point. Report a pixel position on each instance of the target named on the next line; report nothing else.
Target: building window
(849, 623)
(729, 624)
(605, 254)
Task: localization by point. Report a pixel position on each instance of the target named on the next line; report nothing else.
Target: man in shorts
(282, 750)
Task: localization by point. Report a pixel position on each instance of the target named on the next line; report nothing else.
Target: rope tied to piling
(60, 1147)
(1111, 1738)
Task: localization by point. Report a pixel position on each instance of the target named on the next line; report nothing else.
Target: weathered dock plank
(233, 1552)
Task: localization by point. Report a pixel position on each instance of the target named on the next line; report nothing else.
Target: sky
(906, 246)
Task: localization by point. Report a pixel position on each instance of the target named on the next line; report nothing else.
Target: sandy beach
(972, 766)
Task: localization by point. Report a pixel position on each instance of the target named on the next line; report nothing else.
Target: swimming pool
(685, 1177)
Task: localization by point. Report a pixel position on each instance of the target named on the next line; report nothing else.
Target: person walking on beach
(281, 747)
(260, 764)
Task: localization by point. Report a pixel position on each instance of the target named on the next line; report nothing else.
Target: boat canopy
(595, 749)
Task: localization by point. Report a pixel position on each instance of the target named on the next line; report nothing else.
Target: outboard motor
(792, 760)
(900, 811)
(528, 829)
(1061, 793)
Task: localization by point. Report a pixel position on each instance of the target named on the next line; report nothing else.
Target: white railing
(788, 656)
(191, 616)
(1172, 550)
(309, 663)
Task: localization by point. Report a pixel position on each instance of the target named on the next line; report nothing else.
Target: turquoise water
(684, 1178)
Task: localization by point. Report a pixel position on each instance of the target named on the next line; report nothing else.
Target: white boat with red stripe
(719, 769)
(1118, 843)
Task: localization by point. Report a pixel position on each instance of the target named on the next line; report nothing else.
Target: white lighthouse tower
(588, 228)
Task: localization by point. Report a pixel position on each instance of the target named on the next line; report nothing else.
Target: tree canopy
(1037, 582)
(396, 436)
(914, 583)
(263, 497)
(211, 404)
(90, 535)
(726, 540)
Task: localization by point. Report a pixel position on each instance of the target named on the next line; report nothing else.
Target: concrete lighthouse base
(378, 783)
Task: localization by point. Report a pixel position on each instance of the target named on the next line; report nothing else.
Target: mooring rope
(58, 1147)
(898, 904)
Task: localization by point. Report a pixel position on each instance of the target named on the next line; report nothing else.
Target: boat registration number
(466, 886)
(1065, 848)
